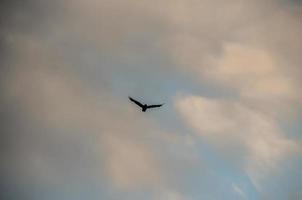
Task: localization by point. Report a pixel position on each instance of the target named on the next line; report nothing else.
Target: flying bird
(144, 106)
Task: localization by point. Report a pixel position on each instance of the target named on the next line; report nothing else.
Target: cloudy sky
(229, 73)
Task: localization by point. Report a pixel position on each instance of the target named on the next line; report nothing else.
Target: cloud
(57, 100)
(232, 127)
(114, 141)
(131, 164)
(242, 46)
(239, 191)
(171, 195)
(79, 132)
(67, 65)
(256, 76)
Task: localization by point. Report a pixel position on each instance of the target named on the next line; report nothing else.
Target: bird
(144, 106)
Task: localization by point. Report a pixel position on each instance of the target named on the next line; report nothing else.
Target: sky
(229, 73)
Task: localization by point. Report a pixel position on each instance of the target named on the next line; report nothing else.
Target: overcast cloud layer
(229, 73)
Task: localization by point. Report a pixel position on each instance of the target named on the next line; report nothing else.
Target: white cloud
(243, 46)
(257, 77)
(230, 126)
(239, 191)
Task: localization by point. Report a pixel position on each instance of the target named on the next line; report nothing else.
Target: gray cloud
(65, 66)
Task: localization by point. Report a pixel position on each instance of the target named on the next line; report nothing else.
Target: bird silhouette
(144, 106)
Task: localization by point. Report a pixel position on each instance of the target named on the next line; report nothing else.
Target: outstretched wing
(136, 102)
(154, 106)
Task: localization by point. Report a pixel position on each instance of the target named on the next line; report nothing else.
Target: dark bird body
(144, 107)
